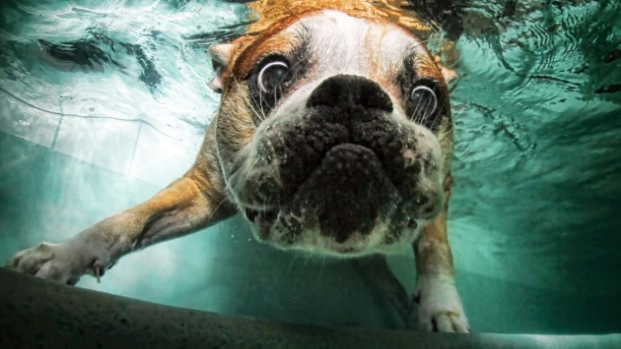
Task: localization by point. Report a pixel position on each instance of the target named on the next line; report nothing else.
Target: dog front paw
(439, 306)
(65, 262)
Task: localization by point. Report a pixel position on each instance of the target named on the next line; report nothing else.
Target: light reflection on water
(537, 117)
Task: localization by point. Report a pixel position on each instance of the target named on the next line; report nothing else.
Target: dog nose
(350, 90)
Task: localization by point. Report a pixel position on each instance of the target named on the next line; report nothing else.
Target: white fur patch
(440, 307)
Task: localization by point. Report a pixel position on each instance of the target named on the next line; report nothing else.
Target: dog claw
(97, 272)
(440, 308)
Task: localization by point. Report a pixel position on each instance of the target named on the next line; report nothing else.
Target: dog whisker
(437, 117)
(255, 111)
(415, 114)
(261, 107)
(425, 112)
(250, 104)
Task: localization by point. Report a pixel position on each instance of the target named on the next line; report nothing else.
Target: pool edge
(36, 313)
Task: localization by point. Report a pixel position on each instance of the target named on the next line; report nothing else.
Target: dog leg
(439, 305)
(187, 205)
(375, 271)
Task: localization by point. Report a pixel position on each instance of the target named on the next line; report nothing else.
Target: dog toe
(29, 261)
(48, 261)
(459, 324)
(444, 323)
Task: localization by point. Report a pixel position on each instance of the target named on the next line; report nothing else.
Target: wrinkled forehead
(355, 44)
(337, 42)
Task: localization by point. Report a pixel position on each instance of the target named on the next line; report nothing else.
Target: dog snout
(350, 91)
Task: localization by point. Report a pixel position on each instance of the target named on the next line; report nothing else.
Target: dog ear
(222, 56)
(448, 74)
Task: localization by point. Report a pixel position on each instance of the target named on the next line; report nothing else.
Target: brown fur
(274, 11)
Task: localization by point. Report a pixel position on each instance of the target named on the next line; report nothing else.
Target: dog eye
(424, 102)
(272, 76)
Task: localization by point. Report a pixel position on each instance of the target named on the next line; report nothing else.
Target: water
(533, 220)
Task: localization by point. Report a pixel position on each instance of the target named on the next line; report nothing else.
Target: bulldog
(333, 136)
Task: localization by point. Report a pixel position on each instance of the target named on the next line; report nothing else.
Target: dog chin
(311, 240)
(357, 246)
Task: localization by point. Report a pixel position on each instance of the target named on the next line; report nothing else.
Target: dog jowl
(333, 136)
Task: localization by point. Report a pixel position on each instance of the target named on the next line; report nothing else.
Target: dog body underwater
(333, 136)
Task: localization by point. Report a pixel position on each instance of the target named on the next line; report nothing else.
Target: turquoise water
(534, 213)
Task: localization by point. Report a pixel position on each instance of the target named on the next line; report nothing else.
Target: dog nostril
(252, 215)
(270, 215)
(429, 209)
(255, 216)
(350, 90)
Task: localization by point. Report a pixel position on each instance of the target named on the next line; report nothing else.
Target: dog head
(333, 133)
